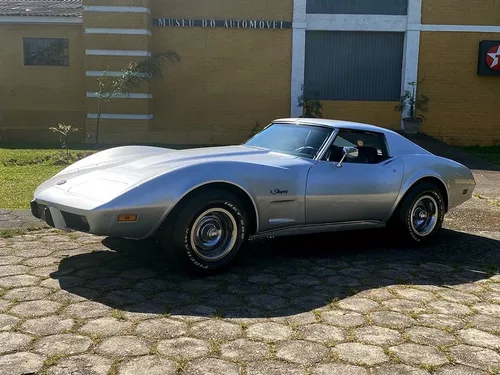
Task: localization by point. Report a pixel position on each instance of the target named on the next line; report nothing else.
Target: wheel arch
(246, 199)
(438, 182)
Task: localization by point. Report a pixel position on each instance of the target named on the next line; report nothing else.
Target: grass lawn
(491, 154)
(22, 170)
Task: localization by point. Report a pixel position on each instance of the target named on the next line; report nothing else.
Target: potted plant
(311, 108)
(414, 107)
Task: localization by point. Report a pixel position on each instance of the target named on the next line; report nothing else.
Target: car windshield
(300, 140)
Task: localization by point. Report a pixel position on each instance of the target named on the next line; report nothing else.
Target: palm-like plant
(134, 76)
(415, 105)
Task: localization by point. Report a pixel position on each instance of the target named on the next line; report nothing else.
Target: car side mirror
(348, 152)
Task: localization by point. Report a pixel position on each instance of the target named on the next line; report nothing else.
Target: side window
(46, 51)
(371, 146)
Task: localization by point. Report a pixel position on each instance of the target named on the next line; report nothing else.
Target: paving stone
(358, 304)
(211, 366)
(88, 310)
(33, 309)
(430, 336)
(42, 261)
(486, 308)
(12, 270)
(150, 365)
(476, 337)
(119, 346)
(10, 341)
(9, 260)
(439, 267)
(342, 318)
(264, 278)
(162, 328)
(138, 274)
(485, 323)
(18, 281)
(361, 354)
(459, 370)
(440, 321)
(183, 348)
(414, 294)
(43, 271)
(391, 319)
(296, 319)
(77, 295)
(269, 332)
(62, 282)
(450, 308)
(398, 369)
(338, 369)
(153, 286)
(81, 365)
(302, 352)
(377, 294)
(216, 329)
(266, 301)
(29, 293)
(378, 335)
(50, 325)
(7, 322)
(123, 298)
(322, 333)
(63, 344)
(244, 350)
(458, 296)
(106, 327)
(303, 280)
(20, 363)
(415, 354)
(4, 305)
(404, 306)
(474, 356)
(270, 367)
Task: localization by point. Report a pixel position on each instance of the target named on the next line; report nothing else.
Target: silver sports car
(296, 176)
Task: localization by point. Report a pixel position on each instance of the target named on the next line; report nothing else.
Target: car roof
(340, 124)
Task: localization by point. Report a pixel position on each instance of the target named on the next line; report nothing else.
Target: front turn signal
(127, 218)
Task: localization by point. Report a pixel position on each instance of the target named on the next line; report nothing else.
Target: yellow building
(246, 62)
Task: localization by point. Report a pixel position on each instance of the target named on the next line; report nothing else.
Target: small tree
(415, 106)
(311, 108)
(64, 132)
(134, 76)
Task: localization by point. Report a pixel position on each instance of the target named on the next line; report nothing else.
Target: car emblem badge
(62, 182)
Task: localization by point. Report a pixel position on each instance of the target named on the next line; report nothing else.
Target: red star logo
(493, 58)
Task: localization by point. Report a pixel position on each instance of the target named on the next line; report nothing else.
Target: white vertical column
(411, 46)
(298, 54)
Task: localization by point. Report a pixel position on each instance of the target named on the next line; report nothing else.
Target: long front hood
(98, 179)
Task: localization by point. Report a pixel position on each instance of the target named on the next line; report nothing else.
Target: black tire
(178, 239)
(422, 203)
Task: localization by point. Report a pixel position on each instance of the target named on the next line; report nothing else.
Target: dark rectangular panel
(353, 65)
(397, 7)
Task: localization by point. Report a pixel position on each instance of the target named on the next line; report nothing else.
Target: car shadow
(273, 277)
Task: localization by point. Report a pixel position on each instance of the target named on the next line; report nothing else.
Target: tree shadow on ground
(274, 277)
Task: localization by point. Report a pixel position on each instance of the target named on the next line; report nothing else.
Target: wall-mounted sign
(488, 63)
(227, 24)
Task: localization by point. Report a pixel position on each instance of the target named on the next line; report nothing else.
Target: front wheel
(206, 232)
(422, 213)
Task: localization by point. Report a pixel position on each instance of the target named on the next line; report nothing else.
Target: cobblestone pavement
(350, 304)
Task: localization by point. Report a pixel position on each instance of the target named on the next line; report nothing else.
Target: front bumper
(69, 220)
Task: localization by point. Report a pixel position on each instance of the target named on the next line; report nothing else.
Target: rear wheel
(206, 232)
(421, 214)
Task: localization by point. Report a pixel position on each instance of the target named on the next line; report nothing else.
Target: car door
(362, 188)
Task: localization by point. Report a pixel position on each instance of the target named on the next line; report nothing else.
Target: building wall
(33, 98)
(461, 12)
(463, 107)
(228, 80)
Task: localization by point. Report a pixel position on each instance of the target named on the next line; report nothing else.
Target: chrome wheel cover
(424, 215)
(213, 234)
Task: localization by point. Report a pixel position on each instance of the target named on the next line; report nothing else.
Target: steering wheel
(306, 150)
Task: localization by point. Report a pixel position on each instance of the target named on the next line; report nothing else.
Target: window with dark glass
(46, 51)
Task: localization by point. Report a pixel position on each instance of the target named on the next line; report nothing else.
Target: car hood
(109, 173)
